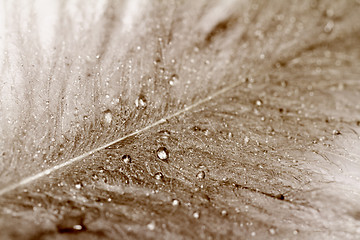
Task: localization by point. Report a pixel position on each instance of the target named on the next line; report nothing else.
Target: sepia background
(240, 119)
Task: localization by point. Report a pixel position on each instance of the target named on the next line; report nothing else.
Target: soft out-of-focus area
(270, 158)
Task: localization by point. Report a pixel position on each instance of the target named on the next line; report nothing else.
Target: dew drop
(196, 215)
(200, 175)
(159, 176)
(126, 159)
(174, 78)
(151, 226)
(336, 132)
(164, 134)
(272, 231)
(78, 186)
(107, 116)
(162, 153)
(141, 102)
(258, 102)
(175, 202)
(224, 212)
(329, 26)
(77, 227)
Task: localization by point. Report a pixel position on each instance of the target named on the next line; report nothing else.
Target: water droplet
(258, 102)
(174, 78)
(295, 232)
(126, 159)
(164, 134)
(329, 26)
(253, 234)
(78, 186)
(224, 212)
(200, 175)
(196, 215)
(336, 132)
(77, 227)
(272, 231)
(107, 116)
(97, 56)
(162, 153)
(159, 176)
(175, 202)
(151, 226)
(141, 102)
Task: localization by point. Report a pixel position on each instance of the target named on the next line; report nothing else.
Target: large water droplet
(162, 153)
(126, 158)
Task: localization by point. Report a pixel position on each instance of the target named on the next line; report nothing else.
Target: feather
(242, 97)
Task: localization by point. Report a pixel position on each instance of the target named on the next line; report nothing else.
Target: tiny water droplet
(141, 102)
(159, 176)
(151, 226)
(77, 227)
(329, 26)
(200, 175)
(272, 231)
(196, 215)
(78, 186)
(253, 234)
(258, 102)
(336, 132)
(107, 116)
(164, 134)
(224, 212)
(174, 78)
(175, 202)
(126, 158)
(162, 153)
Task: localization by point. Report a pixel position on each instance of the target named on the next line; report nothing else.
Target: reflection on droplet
(78, 186)
(200, 175)
(162, 153)
(159, 176)
(141, 102)
(126, 158)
